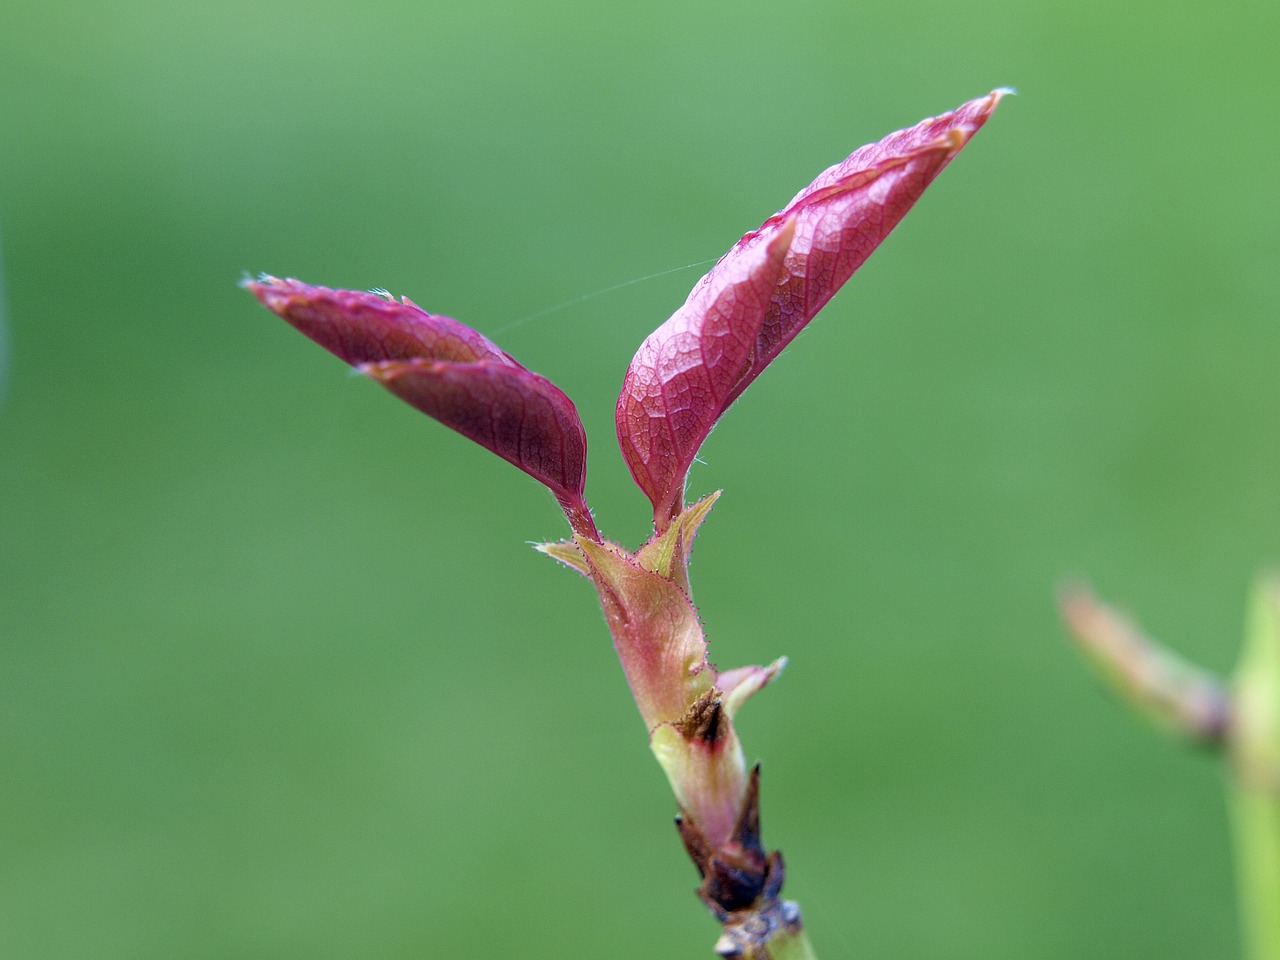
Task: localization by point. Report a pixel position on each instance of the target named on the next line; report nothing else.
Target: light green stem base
(772, 930)
(1256, 817)
(792, 947)
(1255, 762)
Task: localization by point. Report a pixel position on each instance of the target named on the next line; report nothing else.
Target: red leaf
(449, 372)
(521, 416)
(364, 327)
(746, 309)
(676, 387)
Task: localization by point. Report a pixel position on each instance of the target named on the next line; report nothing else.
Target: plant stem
(771, 930)
(1256, 816)
(794, 946)
(1255, 762)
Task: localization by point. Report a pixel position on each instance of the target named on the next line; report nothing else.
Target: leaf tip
(566, 552)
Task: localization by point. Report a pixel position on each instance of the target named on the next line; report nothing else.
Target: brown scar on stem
(705, 719)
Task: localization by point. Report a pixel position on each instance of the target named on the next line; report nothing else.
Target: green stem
(1246, 722)
(772, 929)
(1255, 764)
(1256, 816)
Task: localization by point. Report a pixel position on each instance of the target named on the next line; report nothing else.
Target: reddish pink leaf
(365, 327)
(676, 387)
(452, 373)
(689, 370)
(521, 416)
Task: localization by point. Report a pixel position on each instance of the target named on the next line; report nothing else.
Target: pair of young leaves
(740, 316)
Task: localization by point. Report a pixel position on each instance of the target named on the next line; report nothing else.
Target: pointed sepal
(667, 553)
(742, 683)
(567, 552)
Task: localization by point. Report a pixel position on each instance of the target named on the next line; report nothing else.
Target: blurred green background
(279, 677)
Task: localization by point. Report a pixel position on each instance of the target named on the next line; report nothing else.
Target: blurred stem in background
(1255, 754)
(1240, 720)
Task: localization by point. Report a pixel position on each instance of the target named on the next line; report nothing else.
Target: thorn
(747, 830)
(775, 873)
